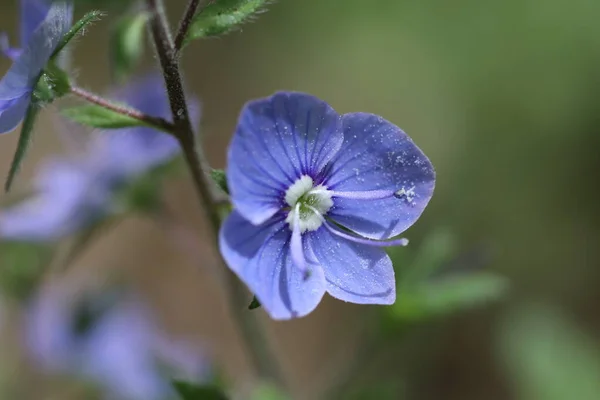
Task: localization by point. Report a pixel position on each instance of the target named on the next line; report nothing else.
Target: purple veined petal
(360, 240)
(69, 197)
(354, 272)
(378, 156)
(260, 256)
(33, 13)
(279, 139)
(44, 39)
(22, 76)
(13, 111)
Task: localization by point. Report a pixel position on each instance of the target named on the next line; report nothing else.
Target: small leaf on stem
(78, 28)
(99, 117)
(23, 144)
(254, 304)
(222, 16)
(220, 178)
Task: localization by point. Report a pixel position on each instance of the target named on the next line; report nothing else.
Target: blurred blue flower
(315, 195)
(74, 193)
(110, 340)
(43, 25)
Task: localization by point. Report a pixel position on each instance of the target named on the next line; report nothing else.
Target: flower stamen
(302, 198)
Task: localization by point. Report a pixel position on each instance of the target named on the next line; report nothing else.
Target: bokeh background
(504, 99)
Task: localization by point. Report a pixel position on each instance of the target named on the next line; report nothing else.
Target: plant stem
(159, 123)
(251, 331)
(186, 21)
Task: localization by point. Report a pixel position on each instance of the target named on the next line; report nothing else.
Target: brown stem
(194, 7)
(159, 123)
(249, 327)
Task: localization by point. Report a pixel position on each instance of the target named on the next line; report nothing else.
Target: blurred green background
(504, 99)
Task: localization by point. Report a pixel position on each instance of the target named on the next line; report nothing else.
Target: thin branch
(194, 7)
(249, 327)
(160, 123)
(183, 128)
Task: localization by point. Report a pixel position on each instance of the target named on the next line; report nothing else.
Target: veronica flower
(112, 342)
(43, 25)
(316, 195)
(76, 192)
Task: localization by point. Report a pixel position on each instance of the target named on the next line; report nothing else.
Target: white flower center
(308, 203)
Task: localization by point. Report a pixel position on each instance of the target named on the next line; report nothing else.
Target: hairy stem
(263, 359)
(193, 7)
(159, 123)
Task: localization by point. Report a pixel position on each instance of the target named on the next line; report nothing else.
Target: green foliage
(547, 357)
(254, 304)
(191, 391)
(222, 16)
(22, 265)
(267, 392)
(99, 117)
(438, 248)
(448, 295)
(23, 144)
(127, 44)
(220, 178)
(52, 84)
(78, 28)
(144, 193)
(422, 294)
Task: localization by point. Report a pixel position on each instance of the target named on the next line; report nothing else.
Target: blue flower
(43, 25)
(316, 195)
(110, 340)
(72, 194)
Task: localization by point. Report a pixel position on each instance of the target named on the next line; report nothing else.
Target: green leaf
(222, 16)
(127, 44)
(23, 144)
(254, 304)
(266, 391)
(100, 117)
(452, 294)
(547, 357)
(220, 178)
(78, 28)
(191, 391)
(437, 248)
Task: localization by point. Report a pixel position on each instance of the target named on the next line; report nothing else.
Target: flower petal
(356, 273)
(377, 155)
(119, 354)
(69, 198)
(260, 256)
(44, 40)
(33, 13)
(12, 112)
(279, 139)
(22, 76)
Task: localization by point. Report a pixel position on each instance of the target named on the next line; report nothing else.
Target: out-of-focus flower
(316, 194)
(43, 25)
(111, 341)
(72, 194)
